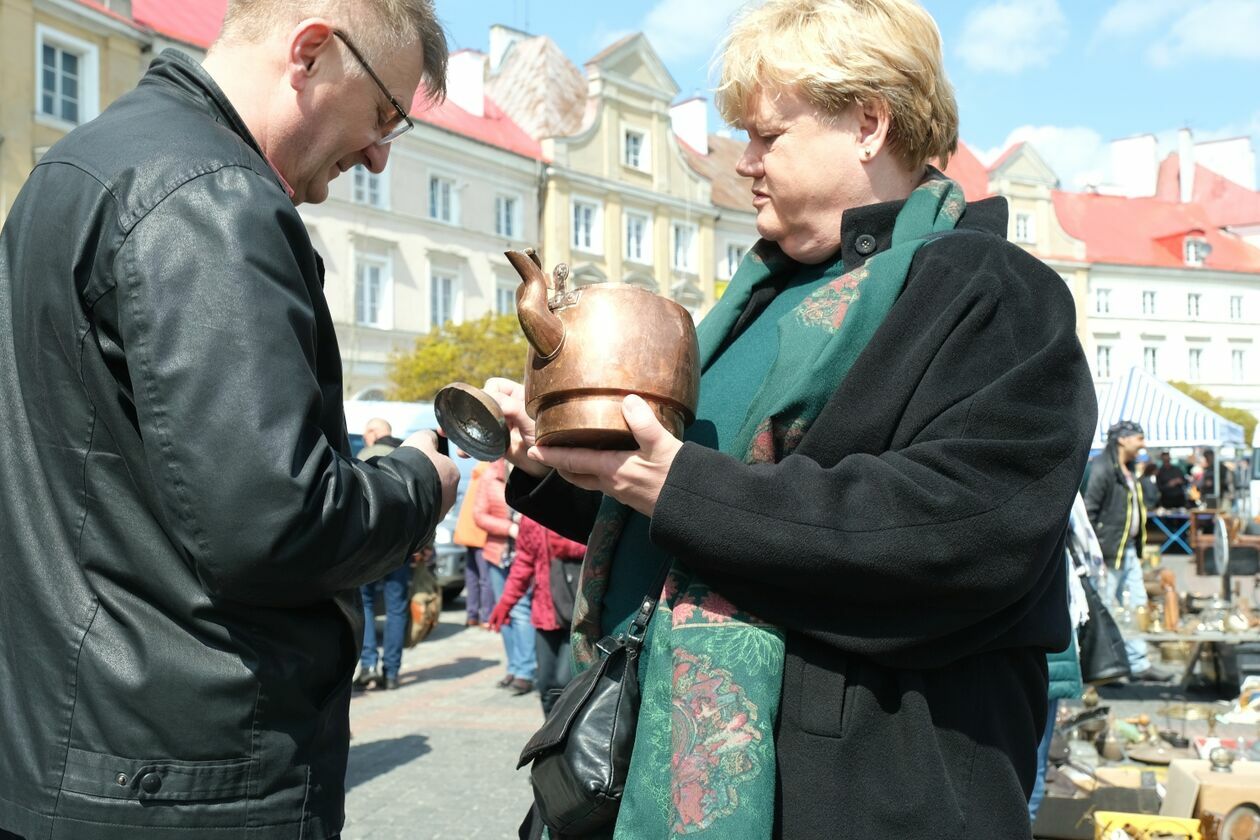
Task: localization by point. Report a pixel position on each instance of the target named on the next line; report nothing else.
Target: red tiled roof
(965, 168)
(728, 188)
(1148, 231)
(1006, 154)
(196, 23)
(110, 13)
(1226, 202)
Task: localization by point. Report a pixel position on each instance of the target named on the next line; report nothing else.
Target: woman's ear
(873, 122)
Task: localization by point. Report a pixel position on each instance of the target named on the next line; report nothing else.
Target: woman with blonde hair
(863, 530)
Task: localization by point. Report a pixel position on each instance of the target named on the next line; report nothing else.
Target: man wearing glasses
(183, 531)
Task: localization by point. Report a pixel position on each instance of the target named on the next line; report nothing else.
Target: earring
(867, 152)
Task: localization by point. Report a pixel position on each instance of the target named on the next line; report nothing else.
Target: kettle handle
(542, 327)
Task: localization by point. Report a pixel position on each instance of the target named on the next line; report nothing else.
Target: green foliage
(471, 352)
(1243, 418)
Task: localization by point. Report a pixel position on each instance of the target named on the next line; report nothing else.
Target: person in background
(492, 514)
(1150, 482)
(549, 563)
(862, 533)
(478, 588)
(1116, 510)
(179, 610)
(1206, 482)
(1172, 483)
(375, 429)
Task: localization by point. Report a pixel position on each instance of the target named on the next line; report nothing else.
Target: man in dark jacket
(1117, 509)
(1172, 483)
(183, 529)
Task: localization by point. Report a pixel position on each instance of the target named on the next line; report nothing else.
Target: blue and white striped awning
(1169, 417)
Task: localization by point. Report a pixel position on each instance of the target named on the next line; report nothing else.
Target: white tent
(1169, 417)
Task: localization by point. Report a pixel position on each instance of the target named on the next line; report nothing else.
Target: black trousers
(555, 665)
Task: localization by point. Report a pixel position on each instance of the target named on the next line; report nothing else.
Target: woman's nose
(749, 164)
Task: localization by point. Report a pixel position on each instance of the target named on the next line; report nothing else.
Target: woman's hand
(633, 478)
(511, 399)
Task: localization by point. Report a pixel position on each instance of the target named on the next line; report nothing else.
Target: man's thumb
(647, 430)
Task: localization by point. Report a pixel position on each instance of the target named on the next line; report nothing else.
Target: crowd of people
(857, 551)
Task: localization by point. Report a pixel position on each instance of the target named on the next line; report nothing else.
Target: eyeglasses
(401, 123)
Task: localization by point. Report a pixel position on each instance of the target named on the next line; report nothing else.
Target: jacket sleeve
(945, 532)
(564, 508)
(485, 508)
(1101, 476)
(218, 317)
(522, 571)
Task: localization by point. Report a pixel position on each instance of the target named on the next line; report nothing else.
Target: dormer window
(1197, 250)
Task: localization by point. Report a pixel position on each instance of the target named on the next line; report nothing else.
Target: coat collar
(177, 70)
(867, 231)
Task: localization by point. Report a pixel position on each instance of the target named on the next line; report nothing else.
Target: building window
(1024, 230)
(505, 299)
(638, 238)
(1102, 301)
(441, 299)
(1196, 359)
(1239, 359)
(1148, 303)
(505, 216)
(586, 224)
(442, 199)
(684, 241)
(1150, 360)
(66, 78)
(370, 188)
(1102, 361)
(1192, 304)
(634, 149)
(372, 290)
(734, 256)
(1235, 307)
(1197, 250)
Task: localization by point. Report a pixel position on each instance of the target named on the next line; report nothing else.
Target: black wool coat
(911, 546)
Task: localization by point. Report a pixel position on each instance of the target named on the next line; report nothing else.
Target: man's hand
(511, 399)
(632, 478)
(448, 473)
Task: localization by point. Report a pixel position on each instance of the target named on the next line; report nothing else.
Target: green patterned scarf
(711, 674)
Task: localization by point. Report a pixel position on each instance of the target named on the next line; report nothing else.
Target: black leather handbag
(582, 752)
(1101, 644)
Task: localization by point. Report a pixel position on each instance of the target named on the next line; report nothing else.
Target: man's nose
(377, 156)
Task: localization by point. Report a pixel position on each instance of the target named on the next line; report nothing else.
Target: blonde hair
(838, 53)
(379, 28)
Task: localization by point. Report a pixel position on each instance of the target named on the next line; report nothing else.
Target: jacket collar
(175, 69)
(867, 231)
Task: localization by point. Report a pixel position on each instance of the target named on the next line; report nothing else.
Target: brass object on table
(591, 346)
(1187, 711)
(1172, 603)
(1175, 651)
(1157, 753)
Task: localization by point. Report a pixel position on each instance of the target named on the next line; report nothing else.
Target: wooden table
(1197, 642)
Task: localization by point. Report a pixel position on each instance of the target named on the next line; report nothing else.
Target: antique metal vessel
(591, 346)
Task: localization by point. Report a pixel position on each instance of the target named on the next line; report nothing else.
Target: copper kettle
(591, 346)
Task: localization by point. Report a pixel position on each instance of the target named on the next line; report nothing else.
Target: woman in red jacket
(493, 516)
(551, 563)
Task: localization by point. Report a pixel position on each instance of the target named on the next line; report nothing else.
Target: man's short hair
(379, 27)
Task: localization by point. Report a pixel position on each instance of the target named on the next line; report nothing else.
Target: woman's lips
(759, 198)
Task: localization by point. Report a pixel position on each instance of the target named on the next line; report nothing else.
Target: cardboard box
(1194, 790)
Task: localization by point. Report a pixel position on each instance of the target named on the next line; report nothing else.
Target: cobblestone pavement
(435, 757)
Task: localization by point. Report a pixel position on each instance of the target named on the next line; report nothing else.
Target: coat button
(865, 245)
(121, 780)
(151, 783)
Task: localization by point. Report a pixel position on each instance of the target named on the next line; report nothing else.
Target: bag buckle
(638, 627)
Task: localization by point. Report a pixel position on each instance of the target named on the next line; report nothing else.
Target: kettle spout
(542, 327)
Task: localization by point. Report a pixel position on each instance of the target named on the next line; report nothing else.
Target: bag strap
(633, 638)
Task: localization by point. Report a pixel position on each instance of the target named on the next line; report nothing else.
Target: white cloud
(1134, 17)
(1012, 35)
(1216, 29)
(602, 36)
(680, 30)
(1078, 155)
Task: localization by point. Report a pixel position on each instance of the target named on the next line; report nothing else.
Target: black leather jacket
(181, 527)
(1109, 504)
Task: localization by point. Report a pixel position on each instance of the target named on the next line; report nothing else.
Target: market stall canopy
(1169, 417)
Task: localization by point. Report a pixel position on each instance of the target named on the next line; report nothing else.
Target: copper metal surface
(592, 346)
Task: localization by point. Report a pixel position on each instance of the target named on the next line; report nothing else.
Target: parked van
(405, 418)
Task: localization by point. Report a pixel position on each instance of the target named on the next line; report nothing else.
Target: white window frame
(693, 249)
(1102, 361)
(728, 268)
(365, 182)
(593, 243)
(1194, 363)
(644, 163)
(1238, 363)
(455, 313)
(368, 257)
(1150, 359)
(1194, 304)
(512, 230)
(453, 204)
(1026, 228)
(89, 76)
(1102, 301)
(1196, 250)
(644, 255)
(505, 297)
(1235, 307)
(1149, 302)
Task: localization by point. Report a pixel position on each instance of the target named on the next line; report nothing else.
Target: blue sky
(1069, 75)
